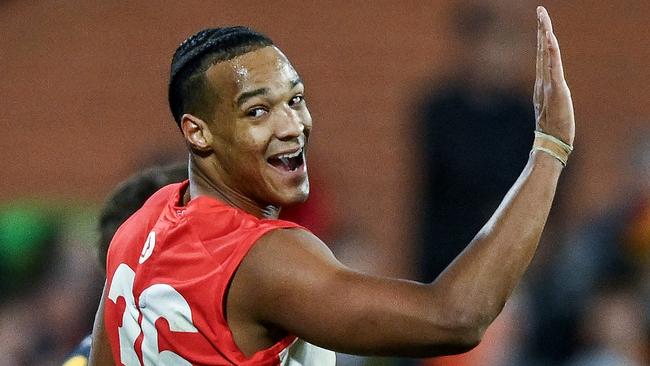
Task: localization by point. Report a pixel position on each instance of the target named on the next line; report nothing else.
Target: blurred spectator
(604, 265)
(50, 282)
(613, 330)
(27, 237)
(476, 131)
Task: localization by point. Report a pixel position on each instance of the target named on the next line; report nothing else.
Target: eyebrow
(243, 97)
(295, 82)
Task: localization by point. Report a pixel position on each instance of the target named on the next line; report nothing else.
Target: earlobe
(196, 133)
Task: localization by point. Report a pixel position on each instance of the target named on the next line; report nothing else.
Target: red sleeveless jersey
(168, 271)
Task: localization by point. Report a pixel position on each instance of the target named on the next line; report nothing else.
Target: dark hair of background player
(129, 196)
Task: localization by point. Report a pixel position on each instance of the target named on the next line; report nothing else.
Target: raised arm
(290, 282)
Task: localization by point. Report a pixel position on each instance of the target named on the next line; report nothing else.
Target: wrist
(552, 146)
(540, 158)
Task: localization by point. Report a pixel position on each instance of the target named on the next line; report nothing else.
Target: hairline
(209, 92)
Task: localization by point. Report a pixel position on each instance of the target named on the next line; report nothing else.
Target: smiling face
(260, 128)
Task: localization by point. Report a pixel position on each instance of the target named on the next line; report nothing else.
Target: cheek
(306, 117)
(254, 140)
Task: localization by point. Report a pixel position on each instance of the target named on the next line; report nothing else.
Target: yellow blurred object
(77, 361)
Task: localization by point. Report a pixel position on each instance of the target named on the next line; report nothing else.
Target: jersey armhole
(234, 262)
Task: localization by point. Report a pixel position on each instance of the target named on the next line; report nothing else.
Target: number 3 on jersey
(156, 301)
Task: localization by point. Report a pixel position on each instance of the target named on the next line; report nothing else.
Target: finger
(546, 71)
(540, 47)
(553, 64)
(555, 60)
(539, 64)
(545, 19)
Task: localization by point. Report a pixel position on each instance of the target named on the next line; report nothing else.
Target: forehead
(266, 67)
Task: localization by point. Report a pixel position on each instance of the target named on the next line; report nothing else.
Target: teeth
(289, 156)
(285, 161)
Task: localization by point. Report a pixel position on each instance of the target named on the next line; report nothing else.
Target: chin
(292, 197)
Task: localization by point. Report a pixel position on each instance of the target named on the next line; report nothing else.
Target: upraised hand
(551, 97)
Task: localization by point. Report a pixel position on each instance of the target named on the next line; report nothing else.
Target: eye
(297, 99)
(256, 112)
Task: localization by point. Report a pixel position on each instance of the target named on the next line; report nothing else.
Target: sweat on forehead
(268, 59)
(265, 71)
(196, 54)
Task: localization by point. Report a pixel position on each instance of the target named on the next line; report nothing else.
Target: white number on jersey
(156, 301)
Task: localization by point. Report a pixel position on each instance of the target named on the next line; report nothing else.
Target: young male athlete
(205, 273)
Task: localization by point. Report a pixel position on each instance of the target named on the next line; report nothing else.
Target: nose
(289, 125)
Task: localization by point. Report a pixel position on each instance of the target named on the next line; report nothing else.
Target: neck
(202, 183)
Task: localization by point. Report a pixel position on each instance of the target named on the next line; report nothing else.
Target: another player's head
(239, 103)
(129, 196)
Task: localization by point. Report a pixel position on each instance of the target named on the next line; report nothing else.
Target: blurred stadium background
(83, 106)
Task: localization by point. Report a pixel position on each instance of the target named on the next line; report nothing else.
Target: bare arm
(290, 281)
(100, 351)
(301, 288)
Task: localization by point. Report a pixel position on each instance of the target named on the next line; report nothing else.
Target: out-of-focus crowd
(50, 280)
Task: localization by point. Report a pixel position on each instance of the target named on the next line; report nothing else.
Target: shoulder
(168, 195)
(164, 194)
(284, 260)
(291, 242)
(136, 228)
(281, 269)
(155, 205)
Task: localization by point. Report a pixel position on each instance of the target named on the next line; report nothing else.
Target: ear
(196, 133)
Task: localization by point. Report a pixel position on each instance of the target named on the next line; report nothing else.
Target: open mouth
(289, 161)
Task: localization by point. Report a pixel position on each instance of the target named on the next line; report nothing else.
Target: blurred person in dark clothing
(473, 132)
(612, 329)
(613, 247)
